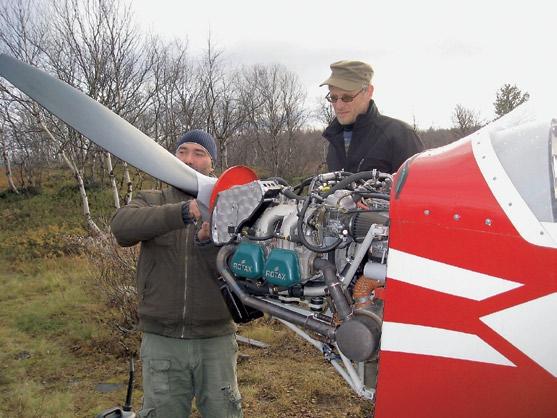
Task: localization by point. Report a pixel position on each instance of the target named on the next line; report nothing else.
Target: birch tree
(273, 102)
(175, 105)
(465, 121)
(93, 46)
(92, 226)
(222, 106)
(7, 163)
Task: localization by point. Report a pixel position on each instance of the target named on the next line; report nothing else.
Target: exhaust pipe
(357, 336)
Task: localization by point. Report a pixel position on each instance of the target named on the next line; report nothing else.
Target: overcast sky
(428, 56)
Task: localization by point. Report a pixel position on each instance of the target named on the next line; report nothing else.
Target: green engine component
(282, 268)
(248, 261)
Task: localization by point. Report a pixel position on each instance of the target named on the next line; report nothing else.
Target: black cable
(291, 195)
(364, 175)
(264, 238)
(374, 195)
(302, 184)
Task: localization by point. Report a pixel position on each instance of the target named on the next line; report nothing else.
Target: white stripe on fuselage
(445, 278)
(438, 342)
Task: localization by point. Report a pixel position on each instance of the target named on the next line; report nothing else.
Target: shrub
(114, 271)
(48, 241)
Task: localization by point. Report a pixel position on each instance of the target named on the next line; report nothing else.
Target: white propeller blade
(105, 128)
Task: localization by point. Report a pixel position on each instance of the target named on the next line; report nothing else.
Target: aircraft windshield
(528, 154)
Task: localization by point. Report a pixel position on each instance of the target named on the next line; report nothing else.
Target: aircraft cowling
(471, 296)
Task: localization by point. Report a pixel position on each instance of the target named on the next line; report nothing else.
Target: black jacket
(378, 142)
(176, 279)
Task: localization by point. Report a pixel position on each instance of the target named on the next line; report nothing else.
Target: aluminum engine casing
(235, 206)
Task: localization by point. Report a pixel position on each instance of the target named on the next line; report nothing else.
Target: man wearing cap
(360, 138)
(189, 345)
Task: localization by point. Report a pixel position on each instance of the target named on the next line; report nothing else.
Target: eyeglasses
(332, 98)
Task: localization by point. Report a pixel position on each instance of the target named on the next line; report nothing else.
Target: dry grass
(291, 379)
(57, 344)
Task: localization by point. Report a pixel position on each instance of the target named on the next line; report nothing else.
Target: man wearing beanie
(189, 345)
(360, 138)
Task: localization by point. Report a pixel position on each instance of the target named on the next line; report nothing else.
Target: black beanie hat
(202, 138)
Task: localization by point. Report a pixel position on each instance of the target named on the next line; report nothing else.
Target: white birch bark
(94, 230)
(224, 158)
(129, 186)
(115, 194)
(8, 166)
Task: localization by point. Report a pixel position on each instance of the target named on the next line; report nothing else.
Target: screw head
(456, 217)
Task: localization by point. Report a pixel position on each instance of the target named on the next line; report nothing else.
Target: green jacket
(176, 276)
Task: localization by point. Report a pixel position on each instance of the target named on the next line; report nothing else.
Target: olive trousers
(175, 371)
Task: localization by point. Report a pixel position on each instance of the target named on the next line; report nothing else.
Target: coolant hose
(291, 195)
(361, 293)
(334, 285)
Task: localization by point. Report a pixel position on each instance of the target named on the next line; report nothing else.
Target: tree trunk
(224, 156)
(129, 186)
(8, 166)
(93, 228)
(112, 181)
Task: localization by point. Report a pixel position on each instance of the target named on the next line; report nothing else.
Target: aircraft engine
(313, 254)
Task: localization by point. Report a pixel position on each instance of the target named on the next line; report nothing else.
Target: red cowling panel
(423, 223)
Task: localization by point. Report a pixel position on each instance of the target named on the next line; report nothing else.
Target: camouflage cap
(349, 75)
